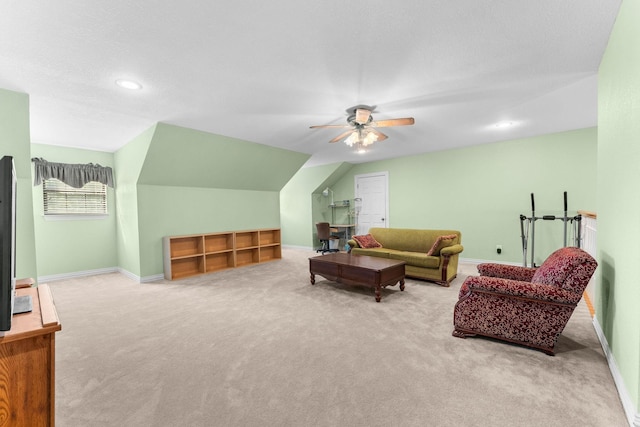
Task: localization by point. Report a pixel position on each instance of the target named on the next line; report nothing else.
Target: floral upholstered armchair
(524, 305)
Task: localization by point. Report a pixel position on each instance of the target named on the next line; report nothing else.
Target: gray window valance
(75, 175)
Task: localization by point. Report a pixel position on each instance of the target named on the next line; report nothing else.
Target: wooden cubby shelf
(186, 246)
(186, 256)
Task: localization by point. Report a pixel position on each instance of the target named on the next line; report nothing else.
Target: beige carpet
(260, 346)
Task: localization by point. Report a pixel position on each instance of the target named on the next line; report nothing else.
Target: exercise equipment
(528, 229)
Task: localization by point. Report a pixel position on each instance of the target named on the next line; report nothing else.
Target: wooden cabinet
(27, 364)
(186, 256)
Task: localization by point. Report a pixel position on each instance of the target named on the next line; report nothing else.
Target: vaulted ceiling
(264, 71)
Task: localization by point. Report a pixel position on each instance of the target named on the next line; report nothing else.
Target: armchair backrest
(568, 268)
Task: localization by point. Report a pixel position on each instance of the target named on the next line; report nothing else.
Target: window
(62, 199)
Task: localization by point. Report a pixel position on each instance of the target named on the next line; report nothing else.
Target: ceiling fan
(362, 128)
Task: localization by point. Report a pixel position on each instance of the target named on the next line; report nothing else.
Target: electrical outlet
(499, 249)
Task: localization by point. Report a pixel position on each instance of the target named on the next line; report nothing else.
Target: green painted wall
(197, 182)
(88, 244)
(618, 287)
(185, 157)
(482, 190)
(302, 203)
(15, 140)
(128, 165)
(171, 211)
(321, 212)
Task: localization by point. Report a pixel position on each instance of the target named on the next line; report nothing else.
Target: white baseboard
(154, 278)
(145, 279)
(129, 274)
(298, 247)
(75, 274)
(65, 276)
(629, 409)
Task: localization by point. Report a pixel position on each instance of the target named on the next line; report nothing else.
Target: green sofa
(411, 246)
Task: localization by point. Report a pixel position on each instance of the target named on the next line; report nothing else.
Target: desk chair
(324, 235)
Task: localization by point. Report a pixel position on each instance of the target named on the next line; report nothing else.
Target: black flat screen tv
(7, 241)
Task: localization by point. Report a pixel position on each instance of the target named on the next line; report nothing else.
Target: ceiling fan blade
(342, 136)
(393, 122)
(381, 136)
(329, 126)
(362, 116)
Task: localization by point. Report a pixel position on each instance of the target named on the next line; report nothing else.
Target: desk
(27, 363)
(346, 227)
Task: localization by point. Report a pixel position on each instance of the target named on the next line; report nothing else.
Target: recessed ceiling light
(128, 84)
(504, 125)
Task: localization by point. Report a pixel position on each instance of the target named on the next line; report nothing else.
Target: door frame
(384, 174)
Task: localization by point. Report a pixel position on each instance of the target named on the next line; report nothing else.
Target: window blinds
(62, 199)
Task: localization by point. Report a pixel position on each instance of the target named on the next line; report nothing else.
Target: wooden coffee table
(358, 270)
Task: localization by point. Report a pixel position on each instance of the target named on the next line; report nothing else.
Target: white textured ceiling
(264, 71)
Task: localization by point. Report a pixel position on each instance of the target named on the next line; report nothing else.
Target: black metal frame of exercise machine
(527, 223)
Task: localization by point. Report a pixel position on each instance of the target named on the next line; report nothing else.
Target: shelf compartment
(184, 267)
(186, 246)
(218, 261)
(246, 239)
(268, 253)
(269, 237)
(218, 242)
(247, 256)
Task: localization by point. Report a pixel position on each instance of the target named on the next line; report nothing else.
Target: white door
(372, 189)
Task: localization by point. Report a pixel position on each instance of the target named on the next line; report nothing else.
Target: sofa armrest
(504, 271)
(520, 289)
(352, 244)
(451, 250)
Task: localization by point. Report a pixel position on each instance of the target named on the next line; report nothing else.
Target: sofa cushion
(441, 242)
(378, 252)
(367, 241)
(417, 259)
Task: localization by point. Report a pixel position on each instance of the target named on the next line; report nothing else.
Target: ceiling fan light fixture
(361, 139)
(369, 139)
(363, 131)
(352, 139)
